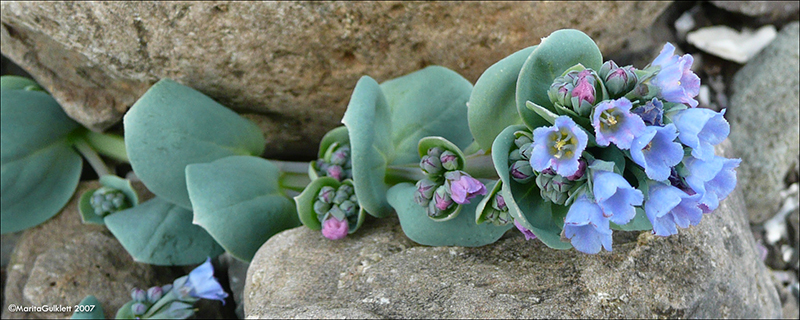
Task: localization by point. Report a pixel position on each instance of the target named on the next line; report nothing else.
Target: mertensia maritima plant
(552, 139)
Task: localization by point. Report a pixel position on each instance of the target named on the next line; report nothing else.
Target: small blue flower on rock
(201, 284)
(675, 80)
(713, 179)
(558, 147)
(586, 226)
(701, 129)
(668, 206)
(613, 122)
(656, 151)
(615, 196)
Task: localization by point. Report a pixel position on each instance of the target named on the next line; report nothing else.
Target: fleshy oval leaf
(40, 170)
(459, 231)
(160, 232)
(237, 199)
(492, 105)
(524, 202)
(368, 121)
(558, 52)
(172, 126)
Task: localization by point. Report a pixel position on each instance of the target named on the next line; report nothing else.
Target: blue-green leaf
(238, 201)
(385, 123)
(492, 104)
(428, 102)
(89, 303)
(558, 52)
(161, 233)
(172, 126)
(459, 231)
(19, 83)
(524, 202)
(40, 170)
(368, 121)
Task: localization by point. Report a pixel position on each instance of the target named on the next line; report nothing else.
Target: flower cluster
(335, 163)
(648, 116)
(445, 186)
(175, 301)
(336, 210)
(106, 200)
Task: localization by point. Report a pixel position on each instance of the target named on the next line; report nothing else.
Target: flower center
(563, 144)
(608, 119)
(648, 146)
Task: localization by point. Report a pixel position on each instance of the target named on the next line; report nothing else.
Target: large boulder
(293, 63)
(707, 271)
(764, 114)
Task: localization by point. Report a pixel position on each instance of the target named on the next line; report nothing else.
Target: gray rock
(707, 271)
(764, 115)
(765, 11)
(62, 261)
(294, 63)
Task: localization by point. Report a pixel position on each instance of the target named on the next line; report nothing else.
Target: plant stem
(293, 180)
(92, 157)
(291, 166)
(481, 166)
(107, 144)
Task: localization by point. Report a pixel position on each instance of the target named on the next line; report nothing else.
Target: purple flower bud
(166, 288)
(449, 160)
(463, 187)
(138, 308)
(341, 156)
(528, 234)
(425, 189)
(334, 229)
(514, 156)
(581, 169)
(430, 165)
(561, 92)
(321, 207)
(138, 295)
(326, 194)
(521, 171)
(349, 208)
(442, 199)
(618, 81)
(584, 89)
(154, 293)
(499, 203)
(435, 152)
(336, 172)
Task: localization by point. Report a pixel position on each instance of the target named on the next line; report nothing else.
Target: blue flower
(613, 122)
(615, 196)
(558, 147)
(656, 151)
(652, 112)
(668, 206)
(713, 179)
(701, 129)
(200, 283)
(676, 81)
(586, 226)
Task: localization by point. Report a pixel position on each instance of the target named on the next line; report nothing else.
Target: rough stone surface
(295, 63)
(707, 271)
(764, 115)
(63, 260)
(766, 11)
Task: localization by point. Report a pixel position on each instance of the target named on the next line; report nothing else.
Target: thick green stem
(294, 181)
(107, 144)
(480, 166)
(291, 166)
(92, 157)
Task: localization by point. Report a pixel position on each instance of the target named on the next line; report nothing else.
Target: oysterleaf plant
(551, 139)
